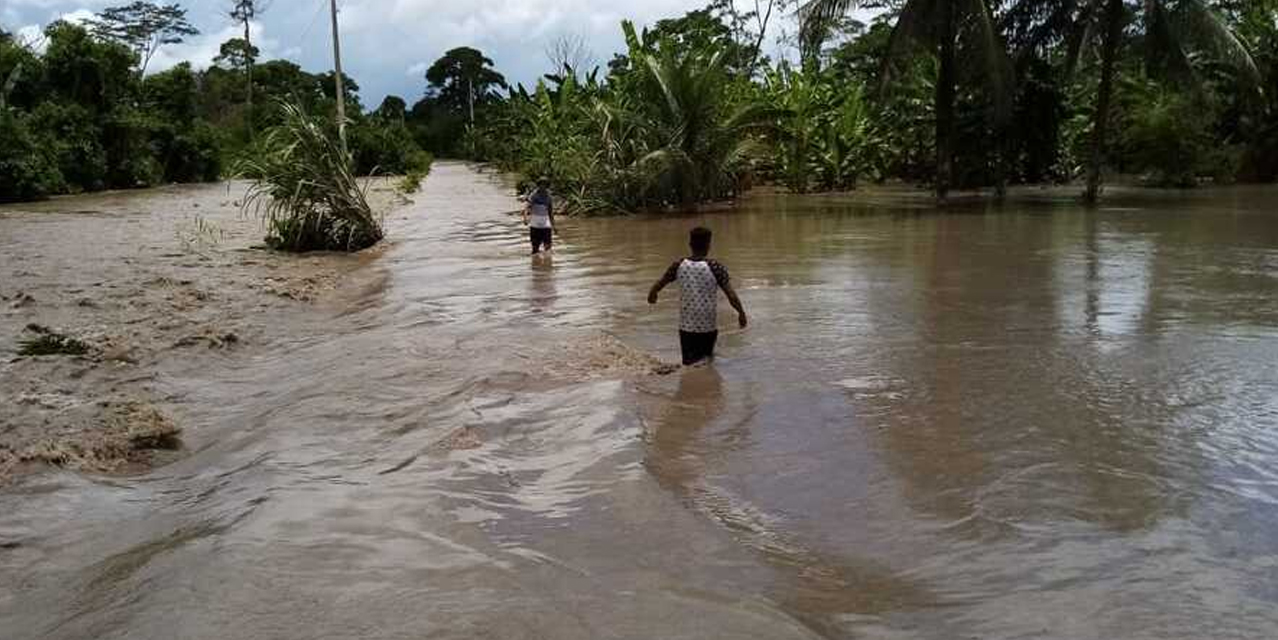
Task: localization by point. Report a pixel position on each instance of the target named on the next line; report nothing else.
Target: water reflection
(542, 292)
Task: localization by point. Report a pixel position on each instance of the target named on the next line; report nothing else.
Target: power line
(319, 8)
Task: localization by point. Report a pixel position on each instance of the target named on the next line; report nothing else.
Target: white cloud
(32, 35)
(409, 34)
(49, 4)
(79, 16)
(201, 49)
(417, 70)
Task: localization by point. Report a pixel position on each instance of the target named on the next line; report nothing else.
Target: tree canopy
(144, 27)
(464, 76)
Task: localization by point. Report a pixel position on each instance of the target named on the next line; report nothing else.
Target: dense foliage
(971, 94)
(81, 115)
(952, 94)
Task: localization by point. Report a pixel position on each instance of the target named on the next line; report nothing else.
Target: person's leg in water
(539, 239)
(697, 347)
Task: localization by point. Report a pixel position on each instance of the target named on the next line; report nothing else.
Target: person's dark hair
(543, 182)
(699, 240)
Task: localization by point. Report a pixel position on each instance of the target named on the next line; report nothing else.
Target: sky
(388, 44)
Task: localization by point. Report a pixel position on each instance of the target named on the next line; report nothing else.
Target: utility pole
(337, 67)
(470, 95)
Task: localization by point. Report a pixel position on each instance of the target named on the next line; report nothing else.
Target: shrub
(1165, 136)
(50, 343)
(382, 148)
(128, 136)
(304, 186)
(28, 165)
(75, 139)
(190, 153)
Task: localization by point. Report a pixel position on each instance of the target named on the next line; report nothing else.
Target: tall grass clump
(305, 188)
(418, 168)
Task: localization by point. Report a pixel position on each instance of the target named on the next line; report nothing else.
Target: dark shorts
(539, 238)
(697, 346)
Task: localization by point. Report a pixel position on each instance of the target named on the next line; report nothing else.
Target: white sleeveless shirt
(699, 282)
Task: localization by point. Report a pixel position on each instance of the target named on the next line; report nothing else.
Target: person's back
(700, 279)
(699, 282)
(539, 215)
(539, 208)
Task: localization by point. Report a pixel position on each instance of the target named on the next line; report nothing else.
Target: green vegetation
(85, 115)
(966, 95)
(949, 94)
(50, 343)
(306, 189)
(412, 181)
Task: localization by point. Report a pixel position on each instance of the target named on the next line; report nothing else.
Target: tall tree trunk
(1100, 123)
(945, 104)
(762, 21)
(248, 70)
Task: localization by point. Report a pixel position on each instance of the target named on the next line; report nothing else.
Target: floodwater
(1026, 422)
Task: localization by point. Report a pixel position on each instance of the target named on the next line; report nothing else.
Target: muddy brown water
(1026, 422)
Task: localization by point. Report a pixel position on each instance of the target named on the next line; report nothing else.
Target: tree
(144, 27)
(569, 54)
(944, 28)
(704, 29)
(236, 54)
(16, 65)
(462, 78)
(92, 73)
(701, 142)
(1178, 36)
(393, 109)
(243, 11)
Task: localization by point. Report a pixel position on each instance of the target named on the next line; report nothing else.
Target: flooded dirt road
(1034, 422)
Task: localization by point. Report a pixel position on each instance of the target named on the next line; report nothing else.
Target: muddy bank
(143, 282)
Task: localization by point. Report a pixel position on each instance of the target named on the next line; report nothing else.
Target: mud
(145, 283)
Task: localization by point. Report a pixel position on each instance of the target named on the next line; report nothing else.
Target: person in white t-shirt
(539, 215)
(700, 280)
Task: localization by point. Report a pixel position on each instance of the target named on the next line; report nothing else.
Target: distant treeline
(81, 116)
(980, 93)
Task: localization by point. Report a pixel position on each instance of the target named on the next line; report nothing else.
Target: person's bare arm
(736, 304)
(666, 279)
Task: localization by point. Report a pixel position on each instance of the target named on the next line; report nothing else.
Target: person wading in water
(539, 215)
(700, 279)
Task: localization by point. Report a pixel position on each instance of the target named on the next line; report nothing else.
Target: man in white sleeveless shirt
(700, 279)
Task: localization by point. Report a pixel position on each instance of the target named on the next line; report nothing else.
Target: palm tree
(940, 27)
(1175, 34)
(698, 144)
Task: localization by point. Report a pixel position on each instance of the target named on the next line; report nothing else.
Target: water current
(1027, 421)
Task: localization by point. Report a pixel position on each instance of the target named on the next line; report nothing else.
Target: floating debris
(210, 339)
(50, 343)
(131, 435)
